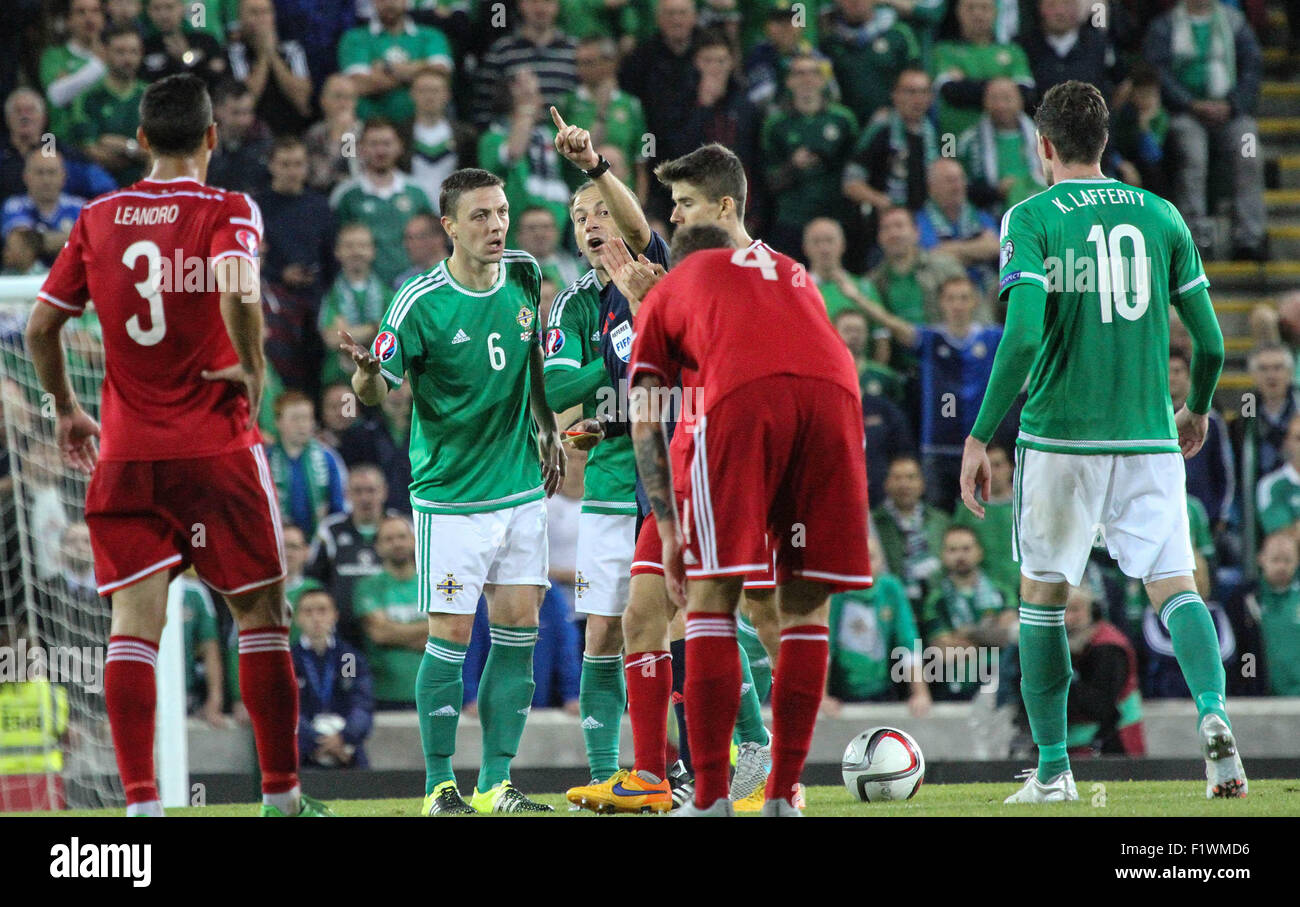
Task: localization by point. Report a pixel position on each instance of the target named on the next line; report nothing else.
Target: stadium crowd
(883, 140)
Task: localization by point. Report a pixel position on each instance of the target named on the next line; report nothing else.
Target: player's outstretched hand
(551, 448)
(976, 474)
(252, 385)
(76, 433)
(574, 143)
(360, 355)
(1191, 431)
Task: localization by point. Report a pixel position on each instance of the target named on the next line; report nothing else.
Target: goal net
(55, 745)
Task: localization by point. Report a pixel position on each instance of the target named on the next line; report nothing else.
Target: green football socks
(749, 720)
(602, 698)
(439, 694)
(1196, 646)
(1045, 683)
(505, 696)
(760, 665)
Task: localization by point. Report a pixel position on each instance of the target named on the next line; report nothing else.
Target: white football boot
(720, 808)
(1224, 775)
(1059, 790)
(780, 808)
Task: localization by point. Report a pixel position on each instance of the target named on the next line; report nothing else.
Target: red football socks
(270, 693)
(796, 698)
(649, 681)
(712, 700)
(131, 696)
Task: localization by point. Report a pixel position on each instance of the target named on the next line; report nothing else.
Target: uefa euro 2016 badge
(554, 341)
(385, 346)
(525, 317)
(1008, 249)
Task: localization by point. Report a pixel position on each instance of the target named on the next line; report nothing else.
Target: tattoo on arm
(652, 466)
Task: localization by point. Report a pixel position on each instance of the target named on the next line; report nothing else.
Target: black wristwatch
(599, 170)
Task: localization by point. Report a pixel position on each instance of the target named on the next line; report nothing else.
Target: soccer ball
(883, 763)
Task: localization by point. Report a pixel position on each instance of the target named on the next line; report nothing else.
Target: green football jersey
(362, 47)
(831, 134)
(394, 667)
(974, 61)
(1279, 626)
(573, 341)
(385, 211)
(1279, 499)
(1109, 256)
(866, 626)
(466, 353)
(994, 534)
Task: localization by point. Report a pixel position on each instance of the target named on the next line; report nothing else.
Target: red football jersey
(736, 315)
(144, 255)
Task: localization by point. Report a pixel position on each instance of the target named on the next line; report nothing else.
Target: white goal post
(47, 594)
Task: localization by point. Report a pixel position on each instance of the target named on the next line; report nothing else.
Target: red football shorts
(218, 513)
(648, 557)
(781, 458)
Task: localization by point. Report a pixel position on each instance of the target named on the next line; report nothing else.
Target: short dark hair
(229, 90)
(318, 591)
(1143, 75)
(286, 143)
(175, 113)
(532, 209)
(1073, 116)
(117, 31)
(962, 527)
(712, 37)
(714, 168)
(695, 239)
(910, 71)
(373, 123)
(461, 181)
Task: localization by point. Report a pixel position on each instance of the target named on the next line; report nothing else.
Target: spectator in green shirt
(354, 303)
(1278, 601)
(395, 628)
(960, 68)
(106, 117)
(384, 57)
(70, 69)
(124, 12)
(1141, 127)
(805, 145)
(381, 196)
(521, 150)
(1000, 152)
(203, 671)
(611, 115)
(994, 531)
(911, 531)
(873, 639)
(964, 609)
(1278, 493)
(868, 46)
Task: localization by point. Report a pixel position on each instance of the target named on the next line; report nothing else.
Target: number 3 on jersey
(150, 289)
(1115, 273)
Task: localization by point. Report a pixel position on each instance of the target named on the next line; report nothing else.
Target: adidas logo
(461, 337)
(745, 688)
(445, 712)
(525, 710)
(591, 724)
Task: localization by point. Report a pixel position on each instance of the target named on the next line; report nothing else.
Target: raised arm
(575, 144)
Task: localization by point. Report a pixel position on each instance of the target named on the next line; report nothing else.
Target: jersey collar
(501, 279)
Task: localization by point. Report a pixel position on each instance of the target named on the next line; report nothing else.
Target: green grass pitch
(1113, 798)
